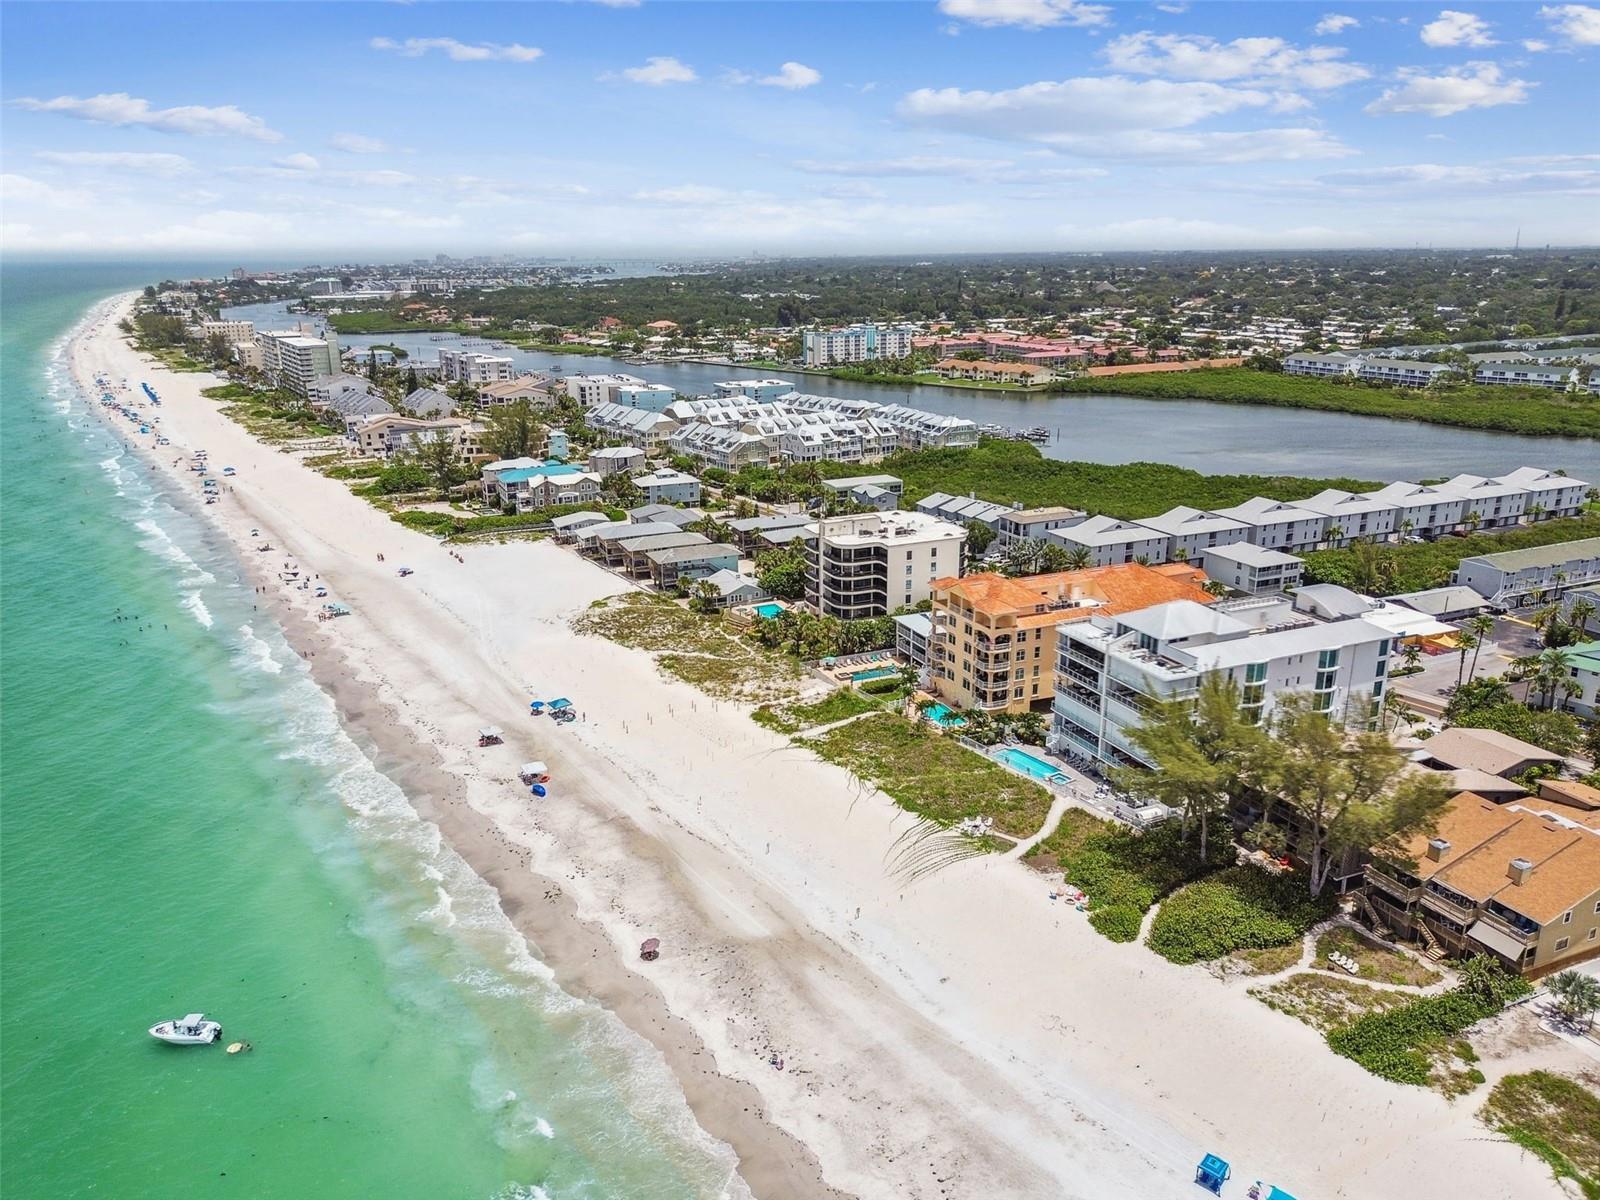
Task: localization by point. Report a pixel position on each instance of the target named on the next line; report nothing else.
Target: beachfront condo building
(1109, 667)
(469, 366)
(1519, 881)
(855, 343)
(765, 391)
(993, 642)
(589, 390)
(1034, 524)
(293, 358)
(231, 331)
(871, 564)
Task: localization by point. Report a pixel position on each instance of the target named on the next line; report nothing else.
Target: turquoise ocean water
(183, 825)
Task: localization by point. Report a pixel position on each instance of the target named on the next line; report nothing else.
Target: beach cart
(534, 772)
(490, 735)
(1212, 1173)
(561, 710)
(650, 949)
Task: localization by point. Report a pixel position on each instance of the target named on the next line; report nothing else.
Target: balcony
(1458, 912)
(1524, 937)
(1393, 889)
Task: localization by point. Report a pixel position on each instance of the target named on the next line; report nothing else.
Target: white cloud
(24, 189)
(1476, 85)
(1332, 23)
(1534, 45)
(1027, 14)
(297, 162)
(119, 108)
(459, 51)
(910, 166)
(1117, 117)
(164, 165)
(793, 76)
(1415, 177)
(1257, 59)
(1457, 29)
(1578, 23)
(356, 143)
(1174, 9)
(660, 69)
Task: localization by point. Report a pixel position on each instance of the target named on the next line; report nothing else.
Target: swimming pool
(874, 673)
(768, 610)
(943, 715)
(1034, 768)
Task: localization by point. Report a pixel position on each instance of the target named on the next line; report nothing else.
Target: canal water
(1218, 439)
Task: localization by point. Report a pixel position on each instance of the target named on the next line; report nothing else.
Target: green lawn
(1536, 411)
(789, 718)
(933, 775)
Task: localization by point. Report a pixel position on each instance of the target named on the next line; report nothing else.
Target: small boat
(192, 1030)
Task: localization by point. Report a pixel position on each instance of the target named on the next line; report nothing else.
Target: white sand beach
(959, 1036)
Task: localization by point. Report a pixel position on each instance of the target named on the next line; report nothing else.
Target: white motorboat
(192, 1030)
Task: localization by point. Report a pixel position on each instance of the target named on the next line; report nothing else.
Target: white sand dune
(960, 1037)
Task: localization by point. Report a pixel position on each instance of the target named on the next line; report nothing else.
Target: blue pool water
(768, 610)
(941, 714)
(1020, 760)
(874, 673)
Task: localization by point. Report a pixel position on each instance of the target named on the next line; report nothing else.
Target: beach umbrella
(538, 789)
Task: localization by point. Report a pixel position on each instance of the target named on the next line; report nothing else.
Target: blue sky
(358, 130)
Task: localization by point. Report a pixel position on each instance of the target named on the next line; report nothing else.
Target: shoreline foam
(960, 1038)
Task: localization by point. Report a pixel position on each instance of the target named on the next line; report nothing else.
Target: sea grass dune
(844, 1029)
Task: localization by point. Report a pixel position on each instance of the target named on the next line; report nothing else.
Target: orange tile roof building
(1520, 881)
(994, 639)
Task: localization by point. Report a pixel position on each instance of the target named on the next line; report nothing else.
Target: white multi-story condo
(589, 390)
(1551, 493)
(1107, 540)
(1107, 667)
(1251, 569)
(764, 390)
(1400, 371)
(962, 510)
(1277, 525)
(1352, 517)
(1305, 363)
(857, 343)
(921, 430)
(645, 429)
(870, 564)
(1190, 532)
(1513, 578)
(1035, 524)
(469, 366)
(725, 447)
(1488, 503)
(1424, 510)
(1527, 374)
(292, 359)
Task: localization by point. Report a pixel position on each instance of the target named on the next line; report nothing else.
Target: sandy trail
(957, 1036)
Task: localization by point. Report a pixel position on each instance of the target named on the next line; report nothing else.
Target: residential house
(678, 564)
(748, 530)
(381, 436)
(568, 525)
(962, 510)
(1513, 578)
(321, 391)
(428, 402)
(534, 390)
(889, 484)
(1453, 603)
(1254, 570)
(615, 460)
(1512, 881)
(671, 514)
(1483, 750)
(636, 551)
(729, 589)
(994, 639)
(668, 486)
(870, 564)
(1525, 374)
(525, 489)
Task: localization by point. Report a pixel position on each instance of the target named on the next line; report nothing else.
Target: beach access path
(956, 1036)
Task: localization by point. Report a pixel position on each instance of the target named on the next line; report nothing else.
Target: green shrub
(1124, 869)
(880, 687)
(1242, 908)
(1118, 922)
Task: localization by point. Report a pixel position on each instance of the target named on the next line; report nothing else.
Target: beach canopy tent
(561, 703)
(535, 705)
(1212, 1173)
(533, 770)
(489, 731)
(1277, 1193)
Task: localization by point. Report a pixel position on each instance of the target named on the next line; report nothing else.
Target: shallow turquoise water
(1021, 760)
(185, 826)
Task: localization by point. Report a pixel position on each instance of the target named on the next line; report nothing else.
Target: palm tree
(1180, 555)
(1553, 672)
(1480, 627)
(1472, 521)
(1078, 558)
(1577, 995)
(1412, 654)
(1406, 526)
(1535, 511)
(1466, 642)
(1579, 614)
(1333, 534)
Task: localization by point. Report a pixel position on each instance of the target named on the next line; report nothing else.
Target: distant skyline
(617, 128)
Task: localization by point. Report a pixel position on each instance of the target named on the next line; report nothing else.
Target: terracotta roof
(1570, 791)
(1485, 837)
(1120, 588)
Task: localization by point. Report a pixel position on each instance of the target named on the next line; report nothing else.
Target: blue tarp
(1277, 1193)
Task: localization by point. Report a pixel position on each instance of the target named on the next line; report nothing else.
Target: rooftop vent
(1519, 870)
(1438, 848)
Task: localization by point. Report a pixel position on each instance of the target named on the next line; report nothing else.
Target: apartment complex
(1399, 372)
(855, 343)
(1034, 524)
(870, 564)
(1106, 540)
(1108, 666)
(1519, 881)
(292, 359)
(993, 640)
(1254, 570)
(469, 366)
(1513, 578)
(231, 331)
(1525, 374)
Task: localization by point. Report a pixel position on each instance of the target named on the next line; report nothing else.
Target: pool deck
(1069, 774)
